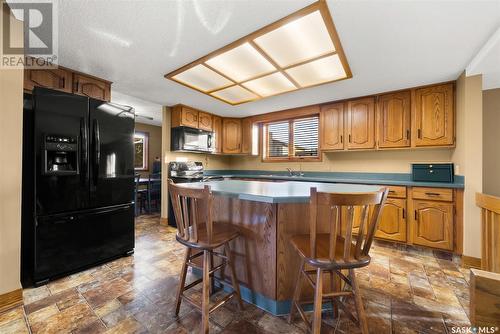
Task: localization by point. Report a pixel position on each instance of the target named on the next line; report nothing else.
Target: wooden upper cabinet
(91, 87)
(434, 116)
(332, 127)
(231, 135)
(217, 129)
(184, 116)
(433, 224)
(392, 225)
(361, 123)
(59, 78)
(246, 136)
(205, 121)
(394, 120)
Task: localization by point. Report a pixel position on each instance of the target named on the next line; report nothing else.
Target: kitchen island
(267, 214)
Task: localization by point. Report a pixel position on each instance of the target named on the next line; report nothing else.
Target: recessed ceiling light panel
(241, 63)
(271, 84)
(235, 95)
(303, 39)
(300, 50)
(202, 78)
(318, 71)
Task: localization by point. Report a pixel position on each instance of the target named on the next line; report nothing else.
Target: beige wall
(154, 143)
(491, 142)
(11, 107)
(209, 161)
(468, 156)
(397, 161)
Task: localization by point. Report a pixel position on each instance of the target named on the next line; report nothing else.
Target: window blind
(278, 139)
(305, 137)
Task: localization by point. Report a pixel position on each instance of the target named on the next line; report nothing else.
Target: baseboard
(471, 262)
(163, 221)
(11, 299)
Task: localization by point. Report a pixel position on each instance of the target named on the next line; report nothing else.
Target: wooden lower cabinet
(432, 224)
(392, 225)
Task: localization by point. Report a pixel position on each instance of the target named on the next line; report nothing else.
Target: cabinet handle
(76, 86)
(349, 138)
(432, 194)
(392, 191)
(415, 214)
(63, 82)
(341, 139)
(419, 133)
(404, 213)
(407, 134)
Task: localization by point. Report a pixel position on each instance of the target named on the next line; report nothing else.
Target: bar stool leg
(212, 280)
(182, 281)
(334, 286)
(205, 300)
(358, 301)
(296, 293)
(234, 280)
(318, 298)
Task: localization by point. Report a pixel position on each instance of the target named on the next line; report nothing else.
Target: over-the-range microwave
(192, 140)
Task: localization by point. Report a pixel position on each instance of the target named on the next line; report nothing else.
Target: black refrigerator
(78, 184)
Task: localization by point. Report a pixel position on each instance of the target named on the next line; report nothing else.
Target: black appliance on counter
(438, 172)
(187, 139)
(185, 172)
(78, 184)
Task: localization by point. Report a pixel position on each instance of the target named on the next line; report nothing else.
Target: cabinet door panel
(434, 116)
(361, 123)
(231, 135)
(332, 127)
(59, 79)
(246, 136)
(217, 128)
(433, 224)
(91, 87)
(394, 120)
(392, 223)
(189, 117)
(205, 121)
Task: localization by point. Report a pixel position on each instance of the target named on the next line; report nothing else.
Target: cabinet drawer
(397, 191)
(433, 194)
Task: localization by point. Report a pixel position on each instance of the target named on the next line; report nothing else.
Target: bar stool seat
(221, 234)
(302, 243)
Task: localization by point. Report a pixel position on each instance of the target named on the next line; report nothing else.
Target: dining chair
(140, 195)
(337, 253)
(203, 237)
(154, 191)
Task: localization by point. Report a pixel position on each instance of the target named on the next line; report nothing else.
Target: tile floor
(405, 291)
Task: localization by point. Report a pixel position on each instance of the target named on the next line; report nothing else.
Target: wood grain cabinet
(246, 136)
(361, 123)
(91, 87)
(394, 120)
(205, 121)
(392, 225)
(332, 127)
(231, 135)
(433, 224)
(59, 79)
(217, 129)
(434, 116)
(184, 116)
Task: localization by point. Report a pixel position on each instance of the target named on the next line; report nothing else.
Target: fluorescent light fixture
(303, 39)
(271, 84)
(298, 51)
(241, 63)
(235, 95)
(202, 78)
(318, 71)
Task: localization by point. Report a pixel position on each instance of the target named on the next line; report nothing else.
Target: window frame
(290, 158)
(145, 150)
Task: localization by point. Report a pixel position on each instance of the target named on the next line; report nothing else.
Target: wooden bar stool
(338, 250)
(197, 231)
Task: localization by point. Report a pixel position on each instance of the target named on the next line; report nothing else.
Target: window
(295, 139)
(141, 150)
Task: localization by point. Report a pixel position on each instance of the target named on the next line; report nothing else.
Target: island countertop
(276, 192)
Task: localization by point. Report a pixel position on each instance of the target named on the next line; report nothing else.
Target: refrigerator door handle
(84, 148)
(97, 150)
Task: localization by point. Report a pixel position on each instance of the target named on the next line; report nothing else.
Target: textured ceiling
(389, 44)
(487, 62)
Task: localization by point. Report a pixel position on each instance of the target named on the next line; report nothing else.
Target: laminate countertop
(276, 192)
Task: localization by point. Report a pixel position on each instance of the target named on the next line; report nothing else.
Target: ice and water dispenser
(60, 155)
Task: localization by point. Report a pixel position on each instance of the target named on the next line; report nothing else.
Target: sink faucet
(292, 173)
